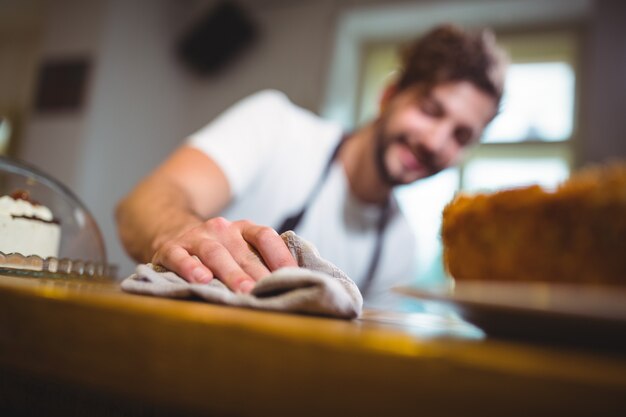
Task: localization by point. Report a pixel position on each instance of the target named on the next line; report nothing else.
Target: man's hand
(225, 250)
(161, 221)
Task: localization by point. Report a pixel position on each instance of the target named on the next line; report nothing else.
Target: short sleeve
(242, 139)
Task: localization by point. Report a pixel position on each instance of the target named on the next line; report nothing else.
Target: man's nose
(437, 137)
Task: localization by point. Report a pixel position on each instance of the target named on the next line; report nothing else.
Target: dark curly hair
(449, 53)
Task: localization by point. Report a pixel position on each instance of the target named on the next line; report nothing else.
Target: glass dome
(81, 247)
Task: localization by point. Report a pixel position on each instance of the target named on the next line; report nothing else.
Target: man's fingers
(250, 261)
(246, 256)
(221, 262)
(178, 260)
(238, 254)
(269, 244)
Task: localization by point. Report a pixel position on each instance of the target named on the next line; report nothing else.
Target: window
(531, 141)
(5, 134)
(539, 104)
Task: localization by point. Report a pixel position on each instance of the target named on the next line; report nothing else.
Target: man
(275, 164)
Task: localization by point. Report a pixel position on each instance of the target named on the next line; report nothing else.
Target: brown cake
(576, 233)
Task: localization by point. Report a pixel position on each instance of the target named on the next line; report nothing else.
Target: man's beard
(426, 158)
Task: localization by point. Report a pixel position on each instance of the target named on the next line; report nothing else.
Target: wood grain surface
(72, 348)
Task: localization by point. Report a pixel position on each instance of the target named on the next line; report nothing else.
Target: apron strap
(292, 222)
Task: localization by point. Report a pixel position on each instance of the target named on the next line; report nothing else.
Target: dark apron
(292, 222)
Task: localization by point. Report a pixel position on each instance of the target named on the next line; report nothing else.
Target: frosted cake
(27, 227)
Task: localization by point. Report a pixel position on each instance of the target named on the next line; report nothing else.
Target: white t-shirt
(273, 154)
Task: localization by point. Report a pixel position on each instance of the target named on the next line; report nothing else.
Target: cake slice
(28, 228)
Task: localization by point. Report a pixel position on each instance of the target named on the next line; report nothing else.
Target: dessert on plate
(575, 234)
(27, 228)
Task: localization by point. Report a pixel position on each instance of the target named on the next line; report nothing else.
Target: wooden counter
(69, 348)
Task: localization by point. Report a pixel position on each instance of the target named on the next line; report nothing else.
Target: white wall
(135, 118)
(133, 115)
(291, 54)
(54, 142)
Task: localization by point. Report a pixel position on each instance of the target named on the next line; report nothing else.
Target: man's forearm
(158, 222)
(169, 219)
(152, 213)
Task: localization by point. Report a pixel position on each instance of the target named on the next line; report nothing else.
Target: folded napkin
(315, 287)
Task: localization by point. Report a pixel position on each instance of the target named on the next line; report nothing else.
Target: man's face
(420, 134)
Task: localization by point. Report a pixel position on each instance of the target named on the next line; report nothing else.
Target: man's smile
(407, 158)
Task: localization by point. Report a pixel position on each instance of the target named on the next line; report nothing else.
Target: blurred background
(98, 92)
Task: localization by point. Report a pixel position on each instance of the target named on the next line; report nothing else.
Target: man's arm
(161, 221)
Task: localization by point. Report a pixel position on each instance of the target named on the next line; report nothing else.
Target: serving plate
(576, 314)
(16, 264)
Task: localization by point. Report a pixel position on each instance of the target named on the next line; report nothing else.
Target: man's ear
(388, 93)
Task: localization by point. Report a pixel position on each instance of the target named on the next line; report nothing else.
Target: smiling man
(280, 167)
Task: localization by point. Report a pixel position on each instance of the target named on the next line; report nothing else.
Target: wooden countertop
(96, 347)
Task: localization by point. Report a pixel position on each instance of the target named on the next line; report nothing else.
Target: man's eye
(463, 136)
(430, 108)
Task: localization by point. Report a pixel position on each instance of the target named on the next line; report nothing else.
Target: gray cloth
(315, 287)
